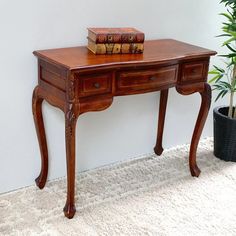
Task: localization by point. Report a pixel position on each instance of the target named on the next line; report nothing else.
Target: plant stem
(231, 112)
(234, 115)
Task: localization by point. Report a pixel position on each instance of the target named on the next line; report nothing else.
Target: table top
(163, 50)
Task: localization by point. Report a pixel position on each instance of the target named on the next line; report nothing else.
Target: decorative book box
(115, 40)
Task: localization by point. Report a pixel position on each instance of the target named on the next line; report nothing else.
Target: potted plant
(224, 81)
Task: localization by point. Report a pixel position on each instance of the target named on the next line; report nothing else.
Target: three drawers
(141, 79)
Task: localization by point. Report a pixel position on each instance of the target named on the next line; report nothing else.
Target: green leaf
(229, 3)
(220, 77)
(224, 93)
(230, 48)
(223, 35)
(214, 79)
(230, 13)
(233, 33)
(218, 87)
(231, 64)
(227, 16)
(226, 24)
(229, 41)
(225, 84)
(228, 55)
(219, 69)
(220, 94)
(213, 72)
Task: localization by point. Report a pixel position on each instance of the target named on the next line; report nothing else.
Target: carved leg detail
(158, 149)
(70, 125)
(202, 116)
(205, 92)
(39, 125)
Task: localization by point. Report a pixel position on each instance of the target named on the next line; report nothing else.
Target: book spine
(108, 38)
(132, 38)
(116, 38)
(104, 38)
(104, 48)
(132, 48)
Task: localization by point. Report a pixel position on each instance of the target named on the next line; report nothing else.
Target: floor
(147, 196)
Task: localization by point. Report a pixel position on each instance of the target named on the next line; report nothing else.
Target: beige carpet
(147, 196)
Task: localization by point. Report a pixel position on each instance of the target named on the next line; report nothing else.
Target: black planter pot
(224, 135)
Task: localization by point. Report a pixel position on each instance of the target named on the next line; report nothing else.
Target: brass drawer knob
(97, 85)
(194, 71)
(153, 78)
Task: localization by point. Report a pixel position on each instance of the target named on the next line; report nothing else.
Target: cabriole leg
(158, 149)
(70, 126)
(205, 91)
(39, 125)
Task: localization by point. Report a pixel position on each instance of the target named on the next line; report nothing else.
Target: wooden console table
(77, 81)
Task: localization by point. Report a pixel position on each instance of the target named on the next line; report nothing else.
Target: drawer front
(147, 79)
(196, 71)
(95, 84)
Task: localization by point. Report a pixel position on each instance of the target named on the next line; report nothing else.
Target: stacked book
(115, 40)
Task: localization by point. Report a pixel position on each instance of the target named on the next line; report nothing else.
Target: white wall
(128, 128)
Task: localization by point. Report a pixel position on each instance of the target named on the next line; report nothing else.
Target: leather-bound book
(115, 35)
(104, 48)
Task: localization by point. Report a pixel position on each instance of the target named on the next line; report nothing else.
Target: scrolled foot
(40, 182)
(69, 210)
(195, 171)
(158, 150)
